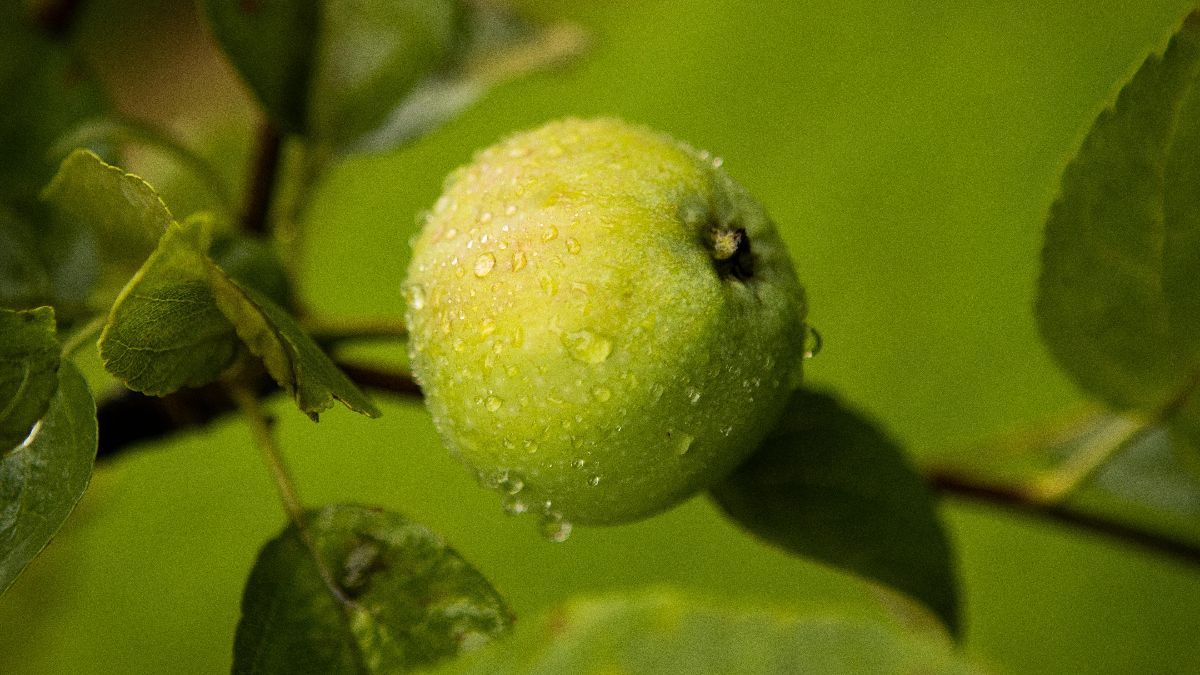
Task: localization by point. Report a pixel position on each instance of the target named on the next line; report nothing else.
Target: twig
(260, 428)
(1017, 500)
(264, 177)
(381, 379)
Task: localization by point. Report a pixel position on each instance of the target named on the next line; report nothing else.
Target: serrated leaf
(1145, 491)
(29, 358)
(666, 633)
(333, 70)
(289, 354)
(165, 330)
(122, 213)
(409, 600)
(1121, 231)
(828, 485)
(43, 92)
(42, 480)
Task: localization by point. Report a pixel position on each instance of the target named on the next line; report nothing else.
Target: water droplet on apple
(587, 346)
(484, 264)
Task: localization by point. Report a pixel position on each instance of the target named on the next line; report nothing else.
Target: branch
(57, 17)
(264, 176)
(132, 418)
(1015, 500)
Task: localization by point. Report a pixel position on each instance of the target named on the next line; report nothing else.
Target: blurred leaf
(333, 70)
(270, 42)
(29, 355)
(501, 47)
(289, 354)
(42, 480)
(665, 633)
(165, 330)
(828, 485)
(1143, 492)
(24, 281)
(254, 263)
(43, 92)
(46, 263)
(409, 601)
(123, 213)
(1124, 229)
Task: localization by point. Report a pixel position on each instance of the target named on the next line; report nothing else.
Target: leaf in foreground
(29, 355)
(410, 601)
(165, 330)
(828, 485)
(41, 481)
(1117, 303)
(666, 633)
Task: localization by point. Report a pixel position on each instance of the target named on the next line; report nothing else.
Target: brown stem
(1016, 500)
(264, 176)
(56, 17)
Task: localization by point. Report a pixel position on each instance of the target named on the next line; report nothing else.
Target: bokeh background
(908, 150)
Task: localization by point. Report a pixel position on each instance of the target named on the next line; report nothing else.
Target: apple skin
(603, 322)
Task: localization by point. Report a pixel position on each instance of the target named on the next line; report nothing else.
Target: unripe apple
(603, 322)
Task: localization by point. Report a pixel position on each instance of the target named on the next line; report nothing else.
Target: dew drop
(587, 346)
(519, 261)
(578, 464)
(484, 264)
(514, 506)
(548, 284)
(550, 233)
(573, 246)
(726, 430)
(594, 481)
(493, 403)
(812, 342)
(554, 528)
(416, 296)
(510, 209)
(450, 233)
(601, 394)
(684, 444)
(656, 392)
(693, 394)
(485, 217)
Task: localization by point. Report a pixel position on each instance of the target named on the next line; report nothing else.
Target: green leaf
(409, 601)
(1123, 230)
(165, 330)
(254, 263)
(333, 70)
(666, 633)
(289, 354)
(24, 281)
(29, 357)
(123, 213)
(1145, 491)
(46, 264)
(828, 485)
(42, 480)
(43, 92)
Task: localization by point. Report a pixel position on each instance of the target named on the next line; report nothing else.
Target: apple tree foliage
(92, 258)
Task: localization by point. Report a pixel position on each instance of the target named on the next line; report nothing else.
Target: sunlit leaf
(123, 215)
(165, 330)
(828, 485)
(408, 601)
(28, 372)
(666, 633)
(289, 354)
(43, 479)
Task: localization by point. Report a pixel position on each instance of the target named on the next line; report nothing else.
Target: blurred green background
(909, 152)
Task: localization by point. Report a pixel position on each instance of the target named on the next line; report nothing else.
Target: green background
(909, 153)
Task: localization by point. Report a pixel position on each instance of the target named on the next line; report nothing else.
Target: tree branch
(264, 177)
(131, 419)
(1017, 501)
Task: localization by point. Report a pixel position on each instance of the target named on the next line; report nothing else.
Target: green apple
(603, 321)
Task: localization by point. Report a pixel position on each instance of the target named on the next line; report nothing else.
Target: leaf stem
(260, 428)
(80, 338)
(1077, 469)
